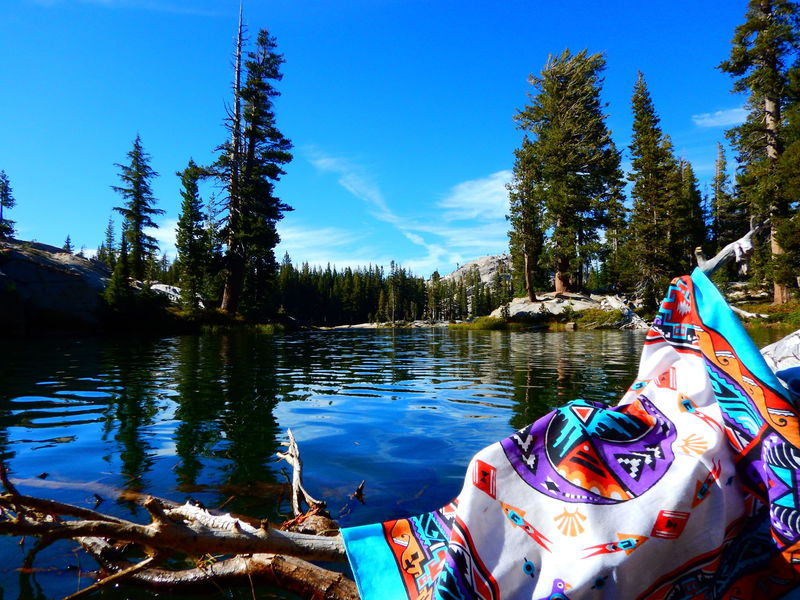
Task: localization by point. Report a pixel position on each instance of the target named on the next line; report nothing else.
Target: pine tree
(658, 220)
(434, 300)
(614, 255)
(250, 164)
(787, 234)
(691, 216)
(7, 201)
(570, 168)
(526, 216)
(68, 247)
(118, 293)
(139, 208)
(728, 213)
(191, 238)
(763, 50)
(107, 252)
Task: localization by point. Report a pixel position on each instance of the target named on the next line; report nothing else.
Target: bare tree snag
(740, 250)
(235, 259)
(299, 493)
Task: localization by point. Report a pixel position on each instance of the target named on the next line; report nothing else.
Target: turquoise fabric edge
(715, 312)
(373, 564)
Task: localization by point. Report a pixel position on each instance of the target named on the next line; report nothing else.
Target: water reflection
(203, 416)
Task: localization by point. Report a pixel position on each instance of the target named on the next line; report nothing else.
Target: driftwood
(299, 493)
(747, 314)
(249, 549)
(740, 251)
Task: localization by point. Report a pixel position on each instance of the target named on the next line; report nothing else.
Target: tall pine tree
(139, 209)
(692, 215)
(763, 51)
(191, 238)
(526, 237)
(665, 203)
(250, 164)
(728, 214)
(568, 169)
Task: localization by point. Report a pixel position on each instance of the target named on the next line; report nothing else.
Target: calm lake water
(202, 417)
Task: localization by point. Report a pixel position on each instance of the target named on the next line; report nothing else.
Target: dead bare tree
(740, 251)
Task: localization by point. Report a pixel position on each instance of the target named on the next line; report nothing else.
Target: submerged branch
(290, 573)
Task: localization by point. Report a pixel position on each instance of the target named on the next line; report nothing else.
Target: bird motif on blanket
(557, 593)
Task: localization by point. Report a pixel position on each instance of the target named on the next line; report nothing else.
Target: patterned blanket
(688, 488)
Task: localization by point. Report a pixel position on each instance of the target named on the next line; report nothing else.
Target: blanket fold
(688, 488)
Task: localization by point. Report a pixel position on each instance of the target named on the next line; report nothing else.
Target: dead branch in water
(299, 493)
(250, 549)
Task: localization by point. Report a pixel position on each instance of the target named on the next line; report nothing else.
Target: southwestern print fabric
(688, 489)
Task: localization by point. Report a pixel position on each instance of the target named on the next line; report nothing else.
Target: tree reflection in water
(202, 416)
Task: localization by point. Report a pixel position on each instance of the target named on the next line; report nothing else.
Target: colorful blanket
(688, 488)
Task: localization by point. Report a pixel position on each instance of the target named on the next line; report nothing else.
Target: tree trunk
(234, 277)
(234, 282)
(528, 282)
(772, 118)
(562, 279)
(780, 291)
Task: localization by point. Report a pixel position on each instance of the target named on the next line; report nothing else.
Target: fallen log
(287, 572)
(248, 549)
(747, 314)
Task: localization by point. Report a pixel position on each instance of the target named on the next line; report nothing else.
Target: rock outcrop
(487, 266)
(44, 288)
(783, 357)
(558, 303)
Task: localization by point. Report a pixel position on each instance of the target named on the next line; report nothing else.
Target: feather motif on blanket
(688, 488)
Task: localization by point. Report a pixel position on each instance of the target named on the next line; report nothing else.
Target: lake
(203, 416)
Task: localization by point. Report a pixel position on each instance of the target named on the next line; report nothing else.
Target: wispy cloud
(484, 199)
(297, 236)
(322, 245)
(469, 221)
(721, 118)
(355, 180)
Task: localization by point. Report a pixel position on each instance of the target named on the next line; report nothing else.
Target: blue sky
(400, 111)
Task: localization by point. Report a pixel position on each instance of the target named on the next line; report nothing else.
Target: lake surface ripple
(202, 417)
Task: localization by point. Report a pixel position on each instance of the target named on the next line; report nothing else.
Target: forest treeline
(576, 220)
(570, 219)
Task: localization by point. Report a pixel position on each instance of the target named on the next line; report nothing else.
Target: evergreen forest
(577, 221)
